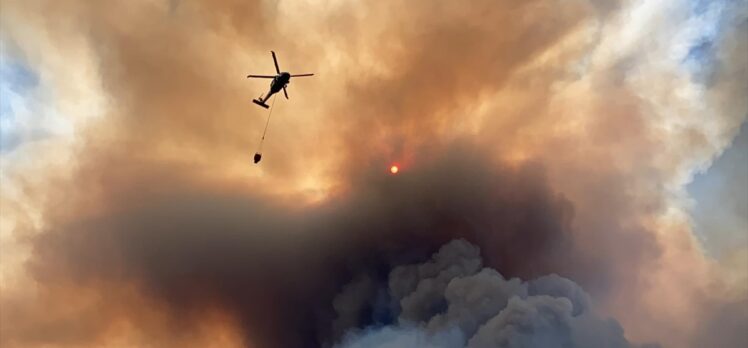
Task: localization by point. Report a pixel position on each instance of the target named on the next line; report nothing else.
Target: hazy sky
(603, 141)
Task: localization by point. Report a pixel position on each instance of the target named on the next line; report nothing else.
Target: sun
(394, 169)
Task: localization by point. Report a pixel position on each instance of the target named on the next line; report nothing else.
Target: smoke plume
(452, 301)
(544, 148)
(278, 268)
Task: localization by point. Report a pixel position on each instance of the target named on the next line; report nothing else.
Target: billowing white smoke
(452, 301)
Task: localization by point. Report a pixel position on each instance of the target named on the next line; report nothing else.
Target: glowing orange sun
(394, 169)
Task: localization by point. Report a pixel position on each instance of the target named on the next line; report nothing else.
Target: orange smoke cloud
(582, 131)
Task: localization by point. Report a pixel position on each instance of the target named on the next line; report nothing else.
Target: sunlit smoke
(556, 136)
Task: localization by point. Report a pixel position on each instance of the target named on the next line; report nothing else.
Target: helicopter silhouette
(280, 81)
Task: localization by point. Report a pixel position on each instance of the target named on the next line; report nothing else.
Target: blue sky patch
(17, 82)
(721, 194)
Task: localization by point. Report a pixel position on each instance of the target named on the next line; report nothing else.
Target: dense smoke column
(153, 203)
(278, 268)
(451, 301)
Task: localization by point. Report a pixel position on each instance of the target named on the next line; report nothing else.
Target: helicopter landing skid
(260, 103)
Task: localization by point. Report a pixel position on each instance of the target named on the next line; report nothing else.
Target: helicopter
(280, 81)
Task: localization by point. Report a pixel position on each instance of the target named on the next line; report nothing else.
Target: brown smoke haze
(555, 137)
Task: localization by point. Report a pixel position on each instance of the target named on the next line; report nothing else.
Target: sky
(570, 172)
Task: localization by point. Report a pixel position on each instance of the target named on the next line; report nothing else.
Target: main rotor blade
(284, 92)
(302, 75)
(277, 69)
(261, 76)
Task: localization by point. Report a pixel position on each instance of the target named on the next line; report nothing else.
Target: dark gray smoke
(161, 204)
(278, 267)
(451, 301)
